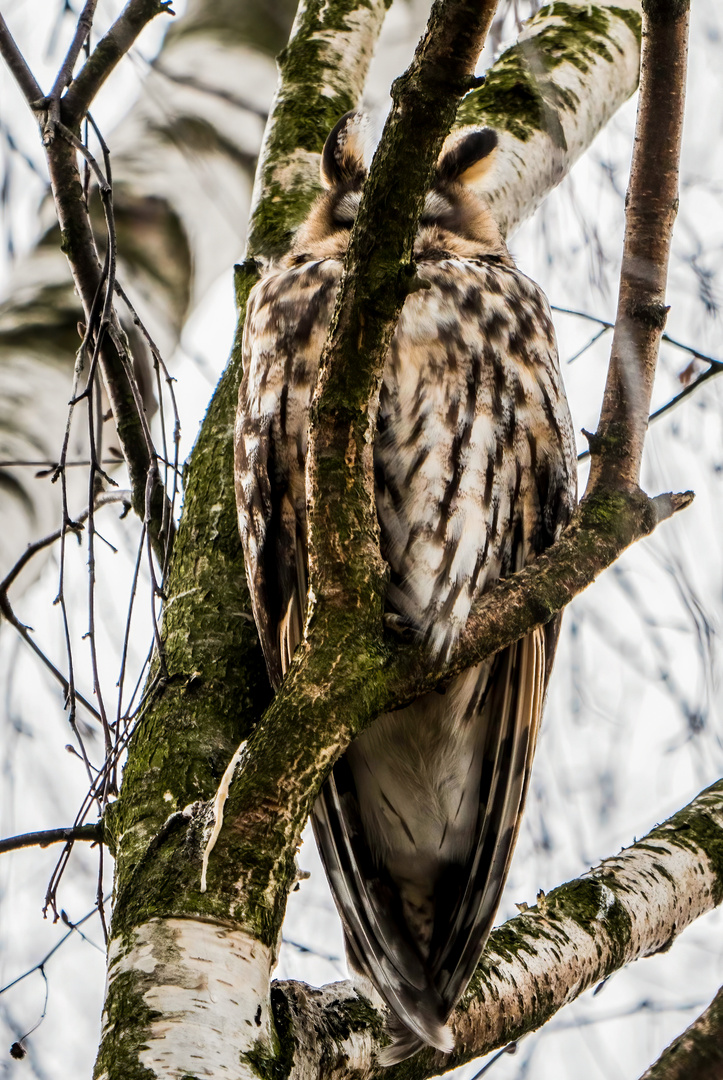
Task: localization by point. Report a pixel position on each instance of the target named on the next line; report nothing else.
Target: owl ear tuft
(466, 158)
(342, 159)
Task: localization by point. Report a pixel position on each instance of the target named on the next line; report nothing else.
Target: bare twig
(82, 31)
(112, 47)
(18, 66)
(41, 963)
(104, 498)
(92, 833)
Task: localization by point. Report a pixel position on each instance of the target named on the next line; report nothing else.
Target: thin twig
(105, 498)
(82, 30)
(92, 833)
(41, 963)
(111, 48)
(18, 66)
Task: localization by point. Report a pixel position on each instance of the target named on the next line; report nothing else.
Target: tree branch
(698, 1052)
(16, 63)
(651, 206)
(345, 566)
(111, 48)
(604, 525)
(82, 29)
(632, 905)
(92, 833)
(322, 72)
(148, 496)
(344, 631)
(549, 95)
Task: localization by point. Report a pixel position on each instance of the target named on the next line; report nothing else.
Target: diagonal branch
(18, 66)
(632, 905)
(112, 47)
(603, 527)
(82, 30)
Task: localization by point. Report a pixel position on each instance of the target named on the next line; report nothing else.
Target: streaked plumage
(475, 474)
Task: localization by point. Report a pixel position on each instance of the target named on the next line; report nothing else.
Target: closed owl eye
(345, 211)
(436, 209)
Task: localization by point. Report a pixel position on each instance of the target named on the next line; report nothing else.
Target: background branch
(16, 62)
(111, 49)
(698, 1052)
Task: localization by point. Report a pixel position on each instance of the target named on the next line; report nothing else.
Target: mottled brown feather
(475, 475)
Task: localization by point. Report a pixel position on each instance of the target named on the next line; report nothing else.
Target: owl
(475, 474)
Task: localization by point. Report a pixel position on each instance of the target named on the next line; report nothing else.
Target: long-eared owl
(475, 475)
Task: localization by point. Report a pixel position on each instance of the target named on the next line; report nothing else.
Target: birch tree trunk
(189, 990)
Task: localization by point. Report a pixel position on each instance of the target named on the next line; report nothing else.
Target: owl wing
(286, 321)
(419, 941)
(422, 991)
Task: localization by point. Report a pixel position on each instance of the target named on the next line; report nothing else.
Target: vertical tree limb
(322, 72)
(378, 275)
(651, 207)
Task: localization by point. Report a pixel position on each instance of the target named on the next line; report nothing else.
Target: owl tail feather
(405, 1043)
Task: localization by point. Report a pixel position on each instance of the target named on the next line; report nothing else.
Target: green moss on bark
(696, 831)
(316, 88)
(128, 1021)
(216, 686)
(520, 94)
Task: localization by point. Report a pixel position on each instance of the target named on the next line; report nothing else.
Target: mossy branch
(345, 566)
(603, 527)
(315, 715)
(629, 906)
(322, 72)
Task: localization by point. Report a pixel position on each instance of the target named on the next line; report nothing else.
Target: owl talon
(401, 627)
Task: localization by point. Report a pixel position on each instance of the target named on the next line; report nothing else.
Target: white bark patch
(346, 1055)
(525, 172)
(219, 803)
(209, 986)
